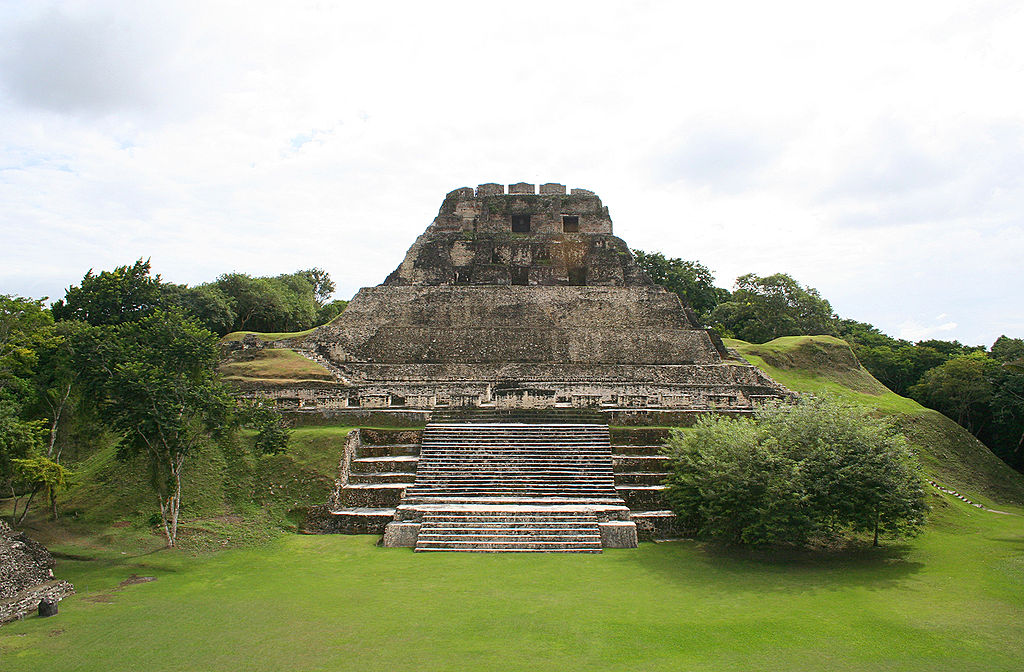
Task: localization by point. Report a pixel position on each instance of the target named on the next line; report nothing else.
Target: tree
(320, 281)
(960, 388)
(113, 297)
(763, 308)
(157, 379)
(794, 474)
(691, 280)
(40, 473)
(331, 310)
(272, 430)
(207, 303)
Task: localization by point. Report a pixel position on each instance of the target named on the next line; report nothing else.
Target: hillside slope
(949, 453)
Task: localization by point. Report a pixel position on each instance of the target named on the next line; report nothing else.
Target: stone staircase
(377, 466)
(510, 530)
(500, 486)
(640, 473)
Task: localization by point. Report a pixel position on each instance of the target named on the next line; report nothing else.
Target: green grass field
(949, 600)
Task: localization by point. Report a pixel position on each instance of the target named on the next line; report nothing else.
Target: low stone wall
(356, 417)
(27, 601)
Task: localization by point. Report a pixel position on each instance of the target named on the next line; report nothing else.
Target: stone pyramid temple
(522, 300)
(516, 329)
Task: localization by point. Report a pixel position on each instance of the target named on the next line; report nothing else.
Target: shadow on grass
(782, 569)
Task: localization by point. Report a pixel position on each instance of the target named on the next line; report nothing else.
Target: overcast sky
(873, 150)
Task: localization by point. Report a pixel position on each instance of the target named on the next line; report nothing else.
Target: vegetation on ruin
(271, 364)
(950, 454)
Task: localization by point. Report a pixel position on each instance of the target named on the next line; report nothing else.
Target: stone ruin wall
(26, 576)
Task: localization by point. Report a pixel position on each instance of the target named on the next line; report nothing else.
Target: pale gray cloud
(873, 151)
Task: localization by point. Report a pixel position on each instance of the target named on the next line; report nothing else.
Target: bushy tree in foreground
(156, 384)
(795, 474)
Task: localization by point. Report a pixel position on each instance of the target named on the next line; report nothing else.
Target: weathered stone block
(618, 534)
(401, 534)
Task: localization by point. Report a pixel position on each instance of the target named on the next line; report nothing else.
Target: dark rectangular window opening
(397, 401)
(520, 275)
(520, 223)
(570, 224)
(353, 401)
(578, 276)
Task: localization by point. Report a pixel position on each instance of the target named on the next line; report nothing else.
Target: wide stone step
(640, 478)
(642, 497)
(505, 549)
(507, 530)
(627, 449)
(382, 477)
(468, 536)
(372, 495)
(385, 463)
(367, 450)
(640, 462)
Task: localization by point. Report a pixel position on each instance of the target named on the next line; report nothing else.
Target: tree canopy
(794, 474)
(763, 308)
(691, 280)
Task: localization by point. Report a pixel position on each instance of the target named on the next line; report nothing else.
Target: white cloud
(872, 151)
(915, 331)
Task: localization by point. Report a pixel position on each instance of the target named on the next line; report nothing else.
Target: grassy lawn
(276, 364)
(951, 600)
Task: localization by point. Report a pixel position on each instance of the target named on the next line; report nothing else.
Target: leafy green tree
(691, 280)
(157, 380)
(763, 308)
(272, 430)
(207, 303)
(125, 294)
(794, 474)
(331, 310)
(961, 388)
(320, 281)
(40, 473)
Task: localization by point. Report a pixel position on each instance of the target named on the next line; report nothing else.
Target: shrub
(795, 474)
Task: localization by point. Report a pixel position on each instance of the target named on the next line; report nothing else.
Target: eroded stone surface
(519, 300)
(26, 575)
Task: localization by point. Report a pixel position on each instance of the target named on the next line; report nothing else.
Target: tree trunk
(58, 409)
(170, 506)
(24, 512)
(875, 542)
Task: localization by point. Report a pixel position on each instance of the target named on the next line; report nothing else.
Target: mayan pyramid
(522, 300)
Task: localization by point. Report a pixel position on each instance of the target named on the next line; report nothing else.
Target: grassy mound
(273, 365)
(230, 496)
(949, 453)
